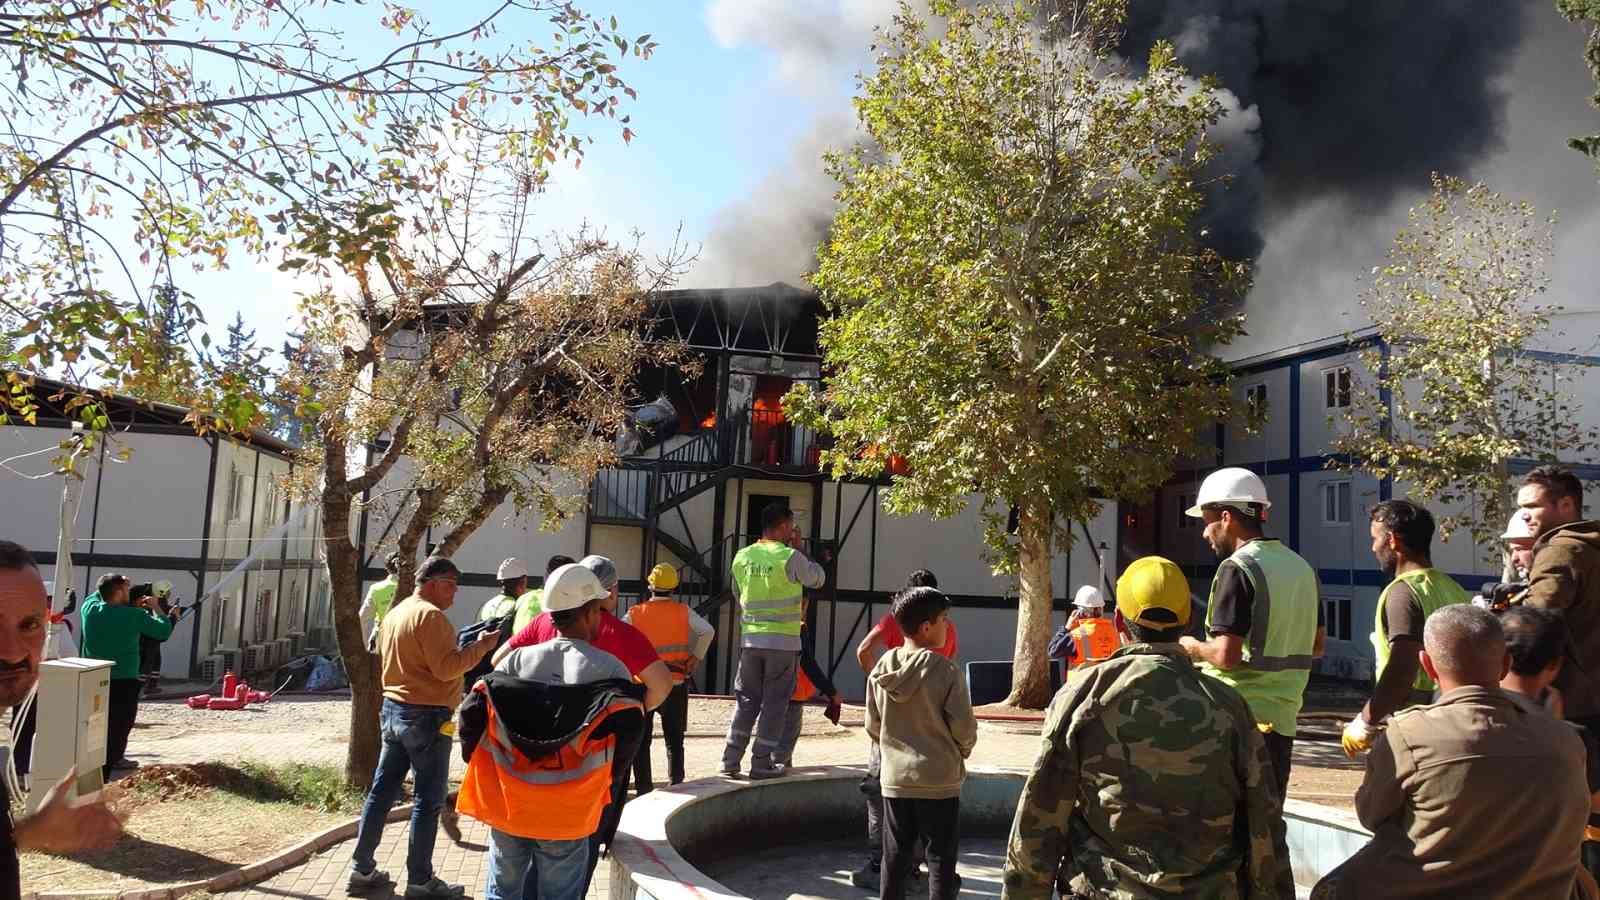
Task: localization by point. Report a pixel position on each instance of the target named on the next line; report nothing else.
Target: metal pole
(71, 492)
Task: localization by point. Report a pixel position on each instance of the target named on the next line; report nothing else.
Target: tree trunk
(428, 503)
(360, 665)
(1030, 665)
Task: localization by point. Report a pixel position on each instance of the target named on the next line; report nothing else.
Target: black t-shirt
(1233, 601)
(10, 867)
(1402, 613)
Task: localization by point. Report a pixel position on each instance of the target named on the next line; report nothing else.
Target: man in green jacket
(111, 631)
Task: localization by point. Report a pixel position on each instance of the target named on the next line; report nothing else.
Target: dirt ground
(192, 837)
(205, 829)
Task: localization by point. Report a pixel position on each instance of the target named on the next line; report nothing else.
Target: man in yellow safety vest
(771, 576)
(1402, 540)
(1264, 620)
(378, 600)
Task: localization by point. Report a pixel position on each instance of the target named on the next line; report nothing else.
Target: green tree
(1587, 14)
(151, 136)
(1016, 288)
(1457, 396)
(158, 352)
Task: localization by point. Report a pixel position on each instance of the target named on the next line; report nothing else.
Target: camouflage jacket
(1152, 782)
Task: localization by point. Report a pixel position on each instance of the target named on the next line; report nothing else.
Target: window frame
(1251, 392)
(1337, 387)
(1339, 493)
(1186, 522)
(1338, 616)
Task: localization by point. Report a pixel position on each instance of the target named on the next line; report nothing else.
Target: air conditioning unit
(211, 668)
(254, 658)
(297, 645)
(284, 651)
(229, 657)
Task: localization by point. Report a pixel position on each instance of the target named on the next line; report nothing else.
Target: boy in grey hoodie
(920, 716)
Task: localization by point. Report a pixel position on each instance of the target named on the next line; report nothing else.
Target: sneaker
(365, 881)
(866, 877)
(435, 887)
(762, 773)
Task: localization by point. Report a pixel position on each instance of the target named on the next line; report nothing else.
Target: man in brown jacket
(1447, 791)
(1566, 577)
(422, 669)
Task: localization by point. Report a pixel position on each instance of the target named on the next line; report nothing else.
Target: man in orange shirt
(421, 672)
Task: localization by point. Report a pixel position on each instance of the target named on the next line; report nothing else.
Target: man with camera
(62, 824)
(1566, 577)
(112, 627)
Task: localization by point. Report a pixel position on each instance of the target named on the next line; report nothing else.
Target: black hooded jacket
(542, 718)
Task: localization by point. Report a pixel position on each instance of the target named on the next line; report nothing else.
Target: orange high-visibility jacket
(666, 624)
(1096, 639)
(542, 758)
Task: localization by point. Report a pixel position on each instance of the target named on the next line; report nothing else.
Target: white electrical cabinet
(74, 695)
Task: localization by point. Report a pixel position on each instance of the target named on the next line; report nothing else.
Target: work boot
(866, 877)
(728, 771)
(769, 771)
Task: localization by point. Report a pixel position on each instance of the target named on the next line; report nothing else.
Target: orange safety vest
(1095, 639)
(666, 624)
(555, 798)
(803, 688)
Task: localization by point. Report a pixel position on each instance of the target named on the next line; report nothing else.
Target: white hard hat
(1089, 597)
(162, 589)
(1519, 528)
(570, 587)
(510, 570)
(1230, 486)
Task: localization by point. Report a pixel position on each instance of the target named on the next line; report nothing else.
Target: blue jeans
(411, 742)
(531, 869)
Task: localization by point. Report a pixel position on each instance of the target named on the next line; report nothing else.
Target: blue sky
(715, 114)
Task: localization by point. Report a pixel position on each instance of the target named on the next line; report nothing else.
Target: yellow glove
(1358, 736)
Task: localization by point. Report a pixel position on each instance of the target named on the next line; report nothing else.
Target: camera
(1497, 596)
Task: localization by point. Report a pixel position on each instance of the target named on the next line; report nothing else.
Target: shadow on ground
(134, 857)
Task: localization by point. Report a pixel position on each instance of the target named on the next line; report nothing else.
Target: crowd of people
(1165, 761)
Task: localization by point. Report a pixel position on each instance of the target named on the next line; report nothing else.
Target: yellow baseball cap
(1153, 583)
(663, 577)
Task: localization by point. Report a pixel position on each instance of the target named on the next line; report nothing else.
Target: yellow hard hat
(663, 578)
(1153, 583)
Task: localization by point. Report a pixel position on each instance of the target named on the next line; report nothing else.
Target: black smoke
(1356, 100)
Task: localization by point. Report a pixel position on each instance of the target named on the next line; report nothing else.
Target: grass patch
(310, 785)
(306, 785)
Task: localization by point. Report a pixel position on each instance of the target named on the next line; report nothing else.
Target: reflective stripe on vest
(769, 603)
(556, 797)
(1277, 659)
(1433, 590)
(1096, 639)
(803, 688)
(666, 624)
